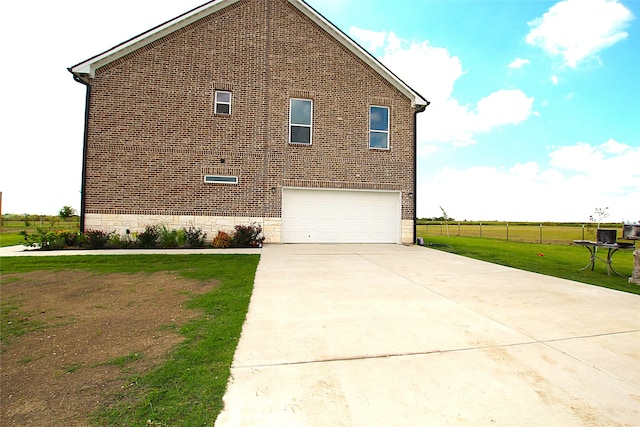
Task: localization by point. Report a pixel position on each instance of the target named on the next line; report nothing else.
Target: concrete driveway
(387, 335)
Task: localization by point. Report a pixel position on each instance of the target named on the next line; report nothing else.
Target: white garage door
(340, 216)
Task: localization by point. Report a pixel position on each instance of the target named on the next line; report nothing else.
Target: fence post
(582, 231)
(507, 231)
(480, 229)
(540, 233)
(458, 229)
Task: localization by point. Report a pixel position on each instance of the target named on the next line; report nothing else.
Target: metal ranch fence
(533, 233)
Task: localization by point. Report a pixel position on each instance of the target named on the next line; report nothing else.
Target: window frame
(378, 131)
(291, 124)
(216, 102)
(221, 179)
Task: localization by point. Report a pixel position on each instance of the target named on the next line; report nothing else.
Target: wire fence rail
(519, 232)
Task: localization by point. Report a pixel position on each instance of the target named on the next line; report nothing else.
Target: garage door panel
(340, 216)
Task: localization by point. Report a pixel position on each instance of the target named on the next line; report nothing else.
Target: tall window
(379, 127)
(223, 102)
(300, 117)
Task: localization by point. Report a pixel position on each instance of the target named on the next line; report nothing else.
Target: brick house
(249, 111)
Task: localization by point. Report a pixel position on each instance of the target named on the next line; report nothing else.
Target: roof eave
(89, 67)
(418, 102)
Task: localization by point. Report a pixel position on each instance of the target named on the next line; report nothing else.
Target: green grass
(564, 261)
(11, 239)
(122, 361)
(188, 388)
(14, 322)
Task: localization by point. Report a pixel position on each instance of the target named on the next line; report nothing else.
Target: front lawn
(185, 388)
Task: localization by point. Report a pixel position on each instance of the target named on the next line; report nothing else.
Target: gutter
(415, 169)
(84, 147)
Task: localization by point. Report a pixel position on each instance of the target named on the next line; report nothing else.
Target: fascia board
(417, 101)
(89, 67)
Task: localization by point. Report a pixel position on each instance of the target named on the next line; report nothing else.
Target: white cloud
(579, 29)
(611, 158)
(370, 40)
(519, 63)
(433, 72)
(578, 179)
(503, 107)
(554, 80)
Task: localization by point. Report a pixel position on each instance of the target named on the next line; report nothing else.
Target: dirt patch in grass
(72, 340)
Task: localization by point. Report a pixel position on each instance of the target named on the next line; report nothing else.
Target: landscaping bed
(153, 236)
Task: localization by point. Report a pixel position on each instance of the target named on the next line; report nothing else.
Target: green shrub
(222, 240)
(96, 239)
(195, 237)
(125, 241)
(149, 237)
(49, 240)
(182, 237)
(71, 238)
(168, 238)
(247, 236)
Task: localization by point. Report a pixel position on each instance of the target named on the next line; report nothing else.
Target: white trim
(416, 99)
(88, 68)
(215, 102)
(388, 131)
(310, 125)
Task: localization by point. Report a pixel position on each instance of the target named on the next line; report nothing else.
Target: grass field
(188, 388)
(521, 232)
(558, 260)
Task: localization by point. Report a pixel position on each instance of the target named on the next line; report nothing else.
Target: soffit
(86, 70)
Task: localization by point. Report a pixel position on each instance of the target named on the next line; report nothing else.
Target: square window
(223, 102)
(300, 121)
(379, 127)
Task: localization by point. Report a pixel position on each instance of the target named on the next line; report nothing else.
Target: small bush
(182, 237)
(71, 238)
(50, 240)
(168, 238)
(96, 239)
(222, 240)
(125, 241)
(247, 236)
(149, 237)
(195, 237)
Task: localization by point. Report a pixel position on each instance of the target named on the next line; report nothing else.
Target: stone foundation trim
(120, 223)
(635, 278)
(407, 232)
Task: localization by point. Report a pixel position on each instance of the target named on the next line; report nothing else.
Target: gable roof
(86, 70)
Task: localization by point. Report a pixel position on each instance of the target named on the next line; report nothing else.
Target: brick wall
(153, 135)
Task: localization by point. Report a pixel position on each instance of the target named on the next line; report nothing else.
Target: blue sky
(535, 110)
